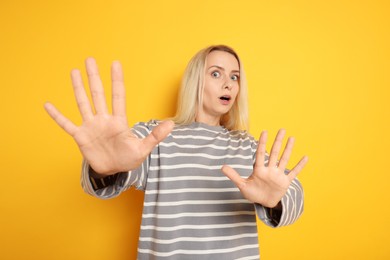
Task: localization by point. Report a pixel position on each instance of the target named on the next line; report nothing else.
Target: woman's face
(221, 86)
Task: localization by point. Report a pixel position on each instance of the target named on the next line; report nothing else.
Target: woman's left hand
(267, 183)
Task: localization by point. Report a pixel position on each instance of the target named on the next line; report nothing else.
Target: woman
(195, 206)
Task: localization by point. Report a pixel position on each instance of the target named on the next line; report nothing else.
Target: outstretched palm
(105, 140)
(268, 182)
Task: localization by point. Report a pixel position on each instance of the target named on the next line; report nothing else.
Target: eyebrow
(221, 68)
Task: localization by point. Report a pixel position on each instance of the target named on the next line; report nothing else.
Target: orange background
(320, 69)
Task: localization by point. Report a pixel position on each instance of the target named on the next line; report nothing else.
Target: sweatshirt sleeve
(291, 208)
(107, 187)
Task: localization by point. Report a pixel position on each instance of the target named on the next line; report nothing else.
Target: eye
(215, 74)
(235, 77)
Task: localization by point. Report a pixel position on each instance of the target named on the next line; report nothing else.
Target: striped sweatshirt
(191, 209)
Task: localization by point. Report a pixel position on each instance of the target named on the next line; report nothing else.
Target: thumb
(158, 134)
(233, 176)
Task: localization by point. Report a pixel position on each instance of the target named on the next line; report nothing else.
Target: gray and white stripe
(191, 210)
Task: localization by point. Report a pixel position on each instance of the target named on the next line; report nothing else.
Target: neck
(208, 120)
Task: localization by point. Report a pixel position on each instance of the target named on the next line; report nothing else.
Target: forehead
(222, 59)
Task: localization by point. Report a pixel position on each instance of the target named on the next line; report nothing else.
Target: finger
(96, 86)
(260, 153)
(273, 158)
(118, 90)
(158, 134)
(286, 153)
(298, 168)
(61, 120)
(80, 95)
(233, 176)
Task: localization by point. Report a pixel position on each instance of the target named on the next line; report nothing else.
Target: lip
(225, 99)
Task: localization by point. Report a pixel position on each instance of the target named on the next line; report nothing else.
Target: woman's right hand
(105, 140)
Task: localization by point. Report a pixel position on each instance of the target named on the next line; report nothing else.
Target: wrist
(96, 175)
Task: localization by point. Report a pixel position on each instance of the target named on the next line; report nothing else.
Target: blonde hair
(191, 92)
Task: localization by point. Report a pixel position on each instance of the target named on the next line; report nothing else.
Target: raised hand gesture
(268, 183)
(104, 139)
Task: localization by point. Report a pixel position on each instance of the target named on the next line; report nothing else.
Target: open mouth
(225, 98)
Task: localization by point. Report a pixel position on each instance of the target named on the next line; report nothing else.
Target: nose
(228, 84)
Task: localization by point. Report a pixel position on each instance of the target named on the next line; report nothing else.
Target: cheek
(236, 90)
(207, 92)
(211, 89)
(207, 96)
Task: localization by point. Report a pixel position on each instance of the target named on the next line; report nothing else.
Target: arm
(105, 140)
(106, 187)
(103, 187)
(269, 187)
(287, 211)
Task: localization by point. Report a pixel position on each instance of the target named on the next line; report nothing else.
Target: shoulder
(142, 129)
(245, 139)
(241, 135)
